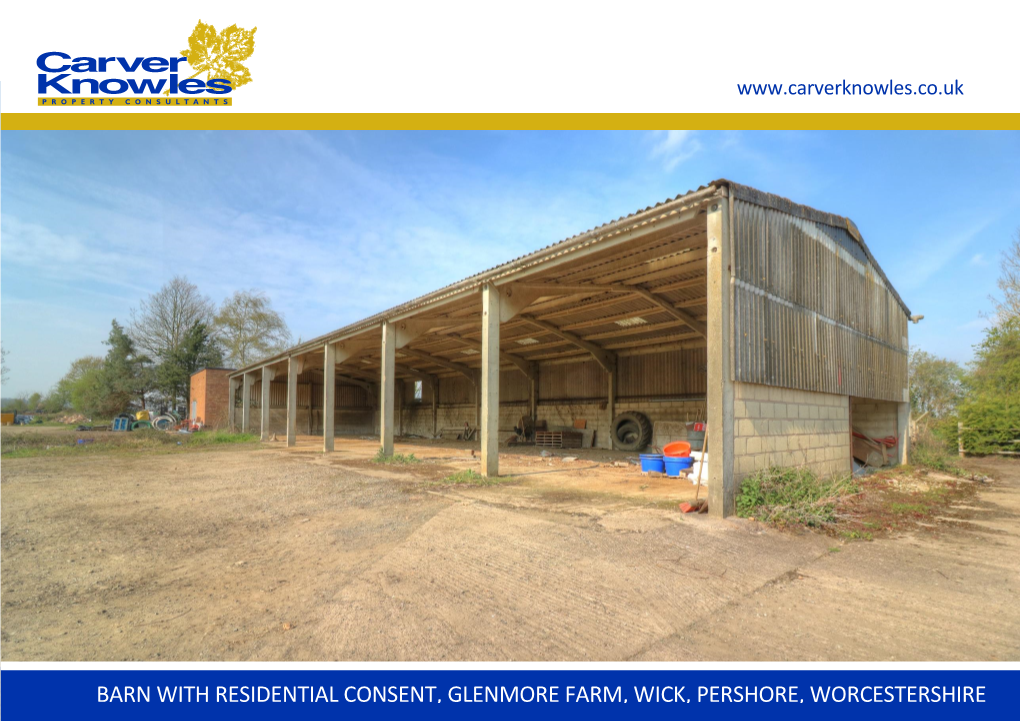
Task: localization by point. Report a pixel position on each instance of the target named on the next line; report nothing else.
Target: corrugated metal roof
(650, 214)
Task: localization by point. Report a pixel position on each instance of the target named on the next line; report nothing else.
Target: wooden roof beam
(367, 385)
(682, 315)
(524, 366)
(553, 288)
(473, 373)
(604, 358)
(343, 378)
(414, 373)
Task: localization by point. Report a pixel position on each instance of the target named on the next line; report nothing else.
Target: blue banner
(539, 694)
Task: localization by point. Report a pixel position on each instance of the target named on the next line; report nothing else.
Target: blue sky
(336, 226)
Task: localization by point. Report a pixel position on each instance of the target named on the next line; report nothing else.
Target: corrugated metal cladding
(457, 389)
(572, 381)
(514, 386)
(654, 375)
(676, 373)
(408, 386)
(810, 311)
(347, 396)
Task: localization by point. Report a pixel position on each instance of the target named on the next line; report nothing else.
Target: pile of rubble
(73, 418)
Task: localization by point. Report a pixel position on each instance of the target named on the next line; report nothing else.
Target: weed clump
(928, 450)
(398, 459)
(793, 497)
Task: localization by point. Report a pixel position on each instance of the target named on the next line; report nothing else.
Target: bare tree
(249, 328)
(163, 320)
(1009, 281)
(4, 371)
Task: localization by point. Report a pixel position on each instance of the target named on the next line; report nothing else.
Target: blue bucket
(652, 463)
(675, 464)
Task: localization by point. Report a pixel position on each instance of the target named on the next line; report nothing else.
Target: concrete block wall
(277, 420)
(348, 422)
(417, 418)
(786, 427)
(877, 419)
(562, 415)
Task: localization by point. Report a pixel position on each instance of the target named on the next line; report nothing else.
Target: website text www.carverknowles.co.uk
(848, 89)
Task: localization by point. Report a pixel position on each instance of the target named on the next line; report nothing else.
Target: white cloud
(939, 254)
(980, 323)
(330, 237)
(70, 258)
(673, 147)
(979, 259)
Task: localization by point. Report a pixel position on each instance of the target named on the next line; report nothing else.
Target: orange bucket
(677, 448)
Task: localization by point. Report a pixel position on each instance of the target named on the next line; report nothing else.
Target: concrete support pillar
(533, 393)
(387, 386)
(400, 393)
(478, 408)
(435, 407)
(267, 379)
(611, 404)
(292, 373)
(329, 398)
(721, 484)
(247, 382)
(903, 432)
(311, 420)
(232, 386)
(490, 381)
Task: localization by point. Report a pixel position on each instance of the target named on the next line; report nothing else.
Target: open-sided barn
(769, 319)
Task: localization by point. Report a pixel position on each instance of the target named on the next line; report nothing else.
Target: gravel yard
(264, 553)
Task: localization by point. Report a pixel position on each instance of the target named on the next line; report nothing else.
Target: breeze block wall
(785, 427)
(876, 419)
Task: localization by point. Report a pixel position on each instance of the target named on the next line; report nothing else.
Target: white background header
(548, 56)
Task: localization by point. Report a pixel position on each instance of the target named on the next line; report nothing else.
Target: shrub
(793, 496)
(991, 410)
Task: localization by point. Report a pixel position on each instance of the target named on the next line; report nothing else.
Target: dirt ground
(241, 553)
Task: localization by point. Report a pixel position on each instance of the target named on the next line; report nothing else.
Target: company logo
(215, 59)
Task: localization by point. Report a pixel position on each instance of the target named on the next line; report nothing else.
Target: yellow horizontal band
(199, 120)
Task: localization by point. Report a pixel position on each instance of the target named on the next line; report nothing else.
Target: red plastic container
(677, 448)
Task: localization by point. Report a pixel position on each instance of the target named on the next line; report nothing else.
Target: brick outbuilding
(209, 396)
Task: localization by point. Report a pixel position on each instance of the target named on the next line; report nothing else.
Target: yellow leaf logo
(219, 55)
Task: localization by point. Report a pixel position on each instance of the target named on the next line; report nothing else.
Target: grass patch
(218, 438)
(398, 459)
(908, 508)
(473, 478)
(793, 497)
(144, 440)
(856, 535)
